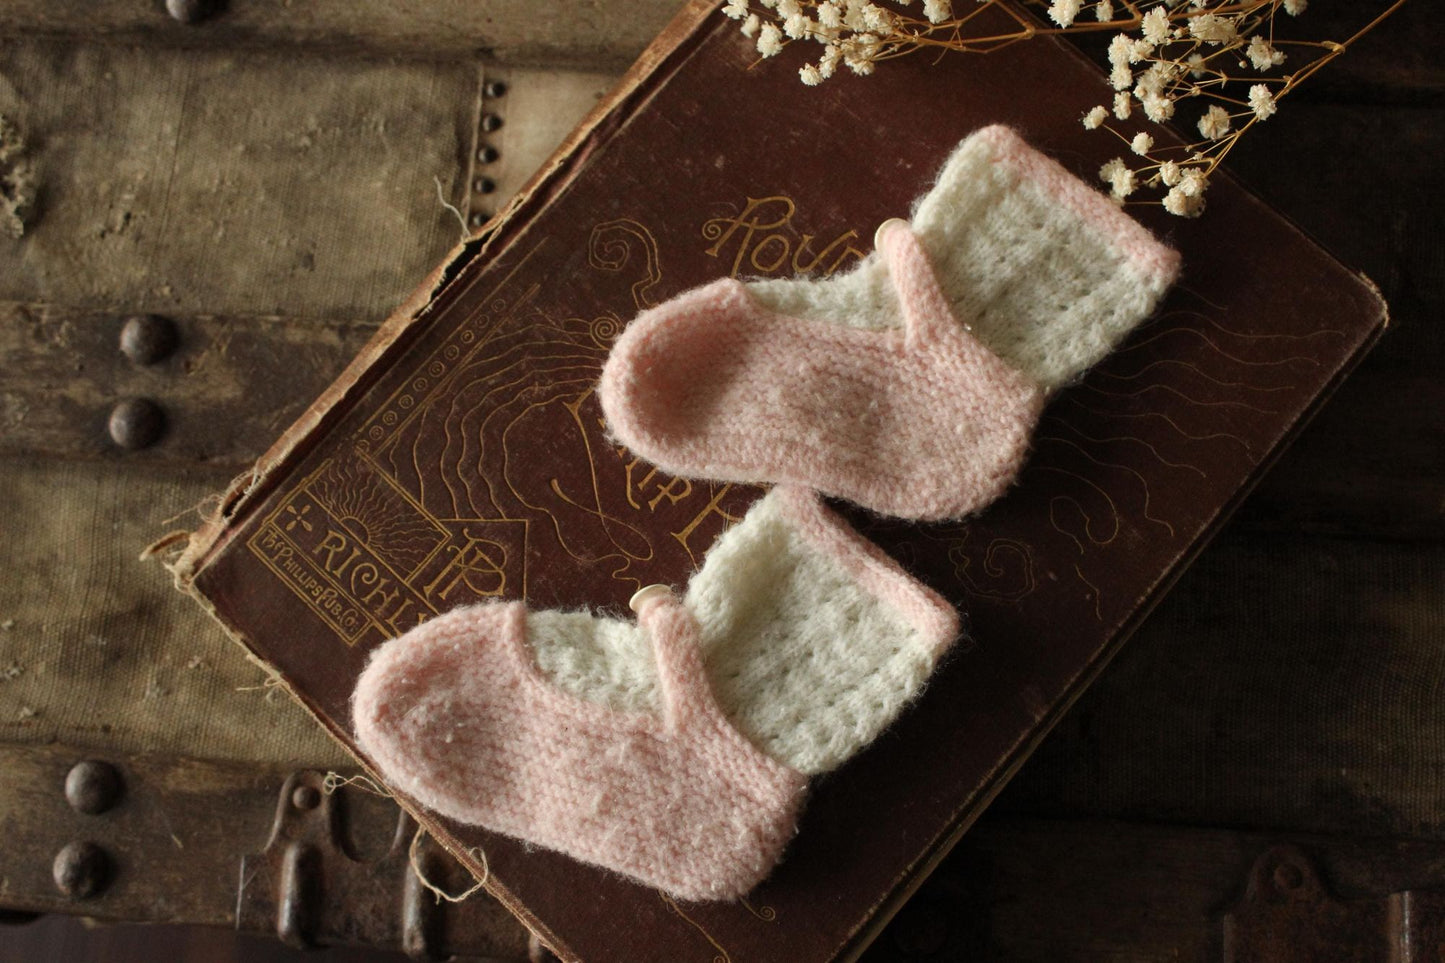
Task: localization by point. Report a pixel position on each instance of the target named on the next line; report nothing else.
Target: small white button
(645, 594)
(878, 234)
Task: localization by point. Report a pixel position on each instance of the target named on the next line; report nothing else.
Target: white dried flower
(1140, 50)
(876, 18)
(938, 11)
(1179, 204)
(1157, 79)
(855, 14)
(1123, 105)
(1197, 67)
(1261, 101)
(797, 26)
(1142, 144)
(1169, 173)
(1094, 118)
(770, 40)
(1157, 108)
(1064, 12)
(1104, 11)
(829, 62)
(770, 4)
(1212, 29)
(750, 26)
(786, 8)
(1262, 55)
(1295, 7)
(810, 75)
(736, 9)
(1119, 49)
(1121, 77)
(1155, 26)
(829, 15)
(1193, 182)
(1215, 123)
(1120, 178)
(859, 66)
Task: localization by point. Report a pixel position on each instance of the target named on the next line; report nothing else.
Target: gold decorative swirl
(722, 955)
(767, 914)
(614, 243)
(1138, 441)
(1094, 591)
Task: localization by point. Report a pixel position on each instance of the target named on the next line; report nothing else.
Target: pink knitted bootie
(909, 386)
(456, 715)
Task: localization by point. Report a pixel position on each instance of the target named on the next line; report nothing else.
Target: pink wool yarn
(456, 715)
(923, 422)
(919, 415)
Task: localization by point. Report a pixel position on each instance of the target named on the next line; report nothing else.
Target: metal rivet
(305, 797)
(92, 786)
(495, 88)
(478, 219)
(484, 185)
(136, 423)
(487, 154)
(81, 870)
(147, 338)
(188, 11)
(491, 122)
(1288, 876)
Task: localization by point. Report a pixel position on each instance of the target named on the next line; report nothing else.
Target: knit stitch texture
(456, 715)
(813, 640)
(573, 743)
(1046, 271)
(919, 422)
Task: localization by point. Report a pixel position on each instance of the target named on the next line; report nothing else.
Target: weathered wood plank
(175, 838)
(1285, 682)
(232, 385)
(1097, 891)
(589, 33)
(234, 182)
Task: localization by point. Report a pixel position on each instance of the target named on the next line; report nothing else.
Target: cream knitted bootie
(909, 385)
(674, 750)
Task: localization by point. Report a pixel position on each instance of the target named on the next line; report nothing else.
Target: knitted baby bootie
(674, 750)
(910, 385)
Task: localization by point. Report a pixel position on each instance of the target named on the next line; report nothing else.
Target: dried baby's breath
(1168, 59)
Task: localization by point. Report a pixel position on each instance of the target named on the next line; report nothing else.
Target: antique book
(462, 456)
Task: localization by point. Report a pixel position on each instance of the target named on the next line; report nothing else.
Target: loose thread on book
(335, 780)
(414, 858)
(461, 219)
(163, 543)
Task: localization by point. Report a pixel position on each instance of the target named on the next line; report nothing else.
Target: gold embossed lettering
(711, 508)
(473, 564)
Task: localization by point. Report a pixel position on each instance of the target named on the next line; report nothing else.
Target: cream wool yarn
(910, 385)
(1043, 269)
(676, 750)
(805, 661)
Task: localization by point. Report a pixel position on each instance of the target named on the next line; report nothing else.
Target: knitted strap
(687, 698)
(926, 311)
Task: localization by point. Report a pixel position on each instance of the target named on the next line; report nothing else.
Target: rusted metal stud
(1287, 876)
(92, 786)
(136, 423)
(484, 185)
(487, 154)
(491, 122)
(188, 11)
(305, 797)
(494, 88)
(147, 338)
(81, 870)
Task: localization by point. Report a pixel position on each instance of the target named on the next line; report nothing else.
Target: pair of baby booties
(677, 749)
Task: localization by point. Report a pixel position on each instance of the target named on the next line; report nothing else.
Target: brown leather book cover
(463, 457)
